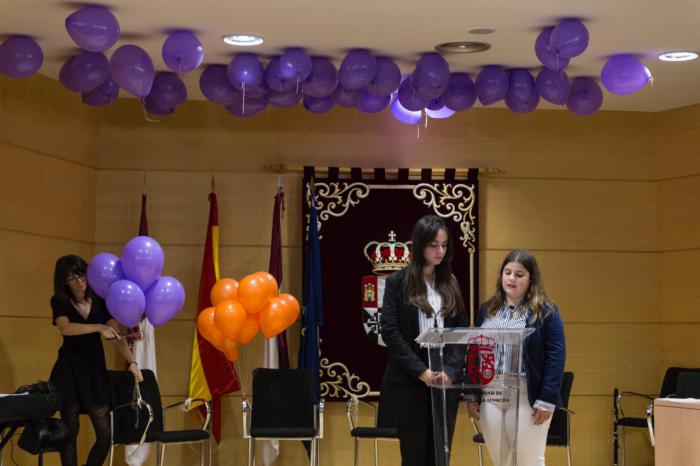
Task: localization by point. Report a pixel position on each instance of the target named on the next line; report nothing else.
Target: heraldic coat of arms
(386, 258)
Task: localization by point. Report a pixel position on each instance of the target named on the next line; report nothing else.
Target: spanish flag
(211, 374)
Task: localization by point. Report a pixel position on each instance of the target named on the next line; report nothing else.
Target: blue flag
(312, 317)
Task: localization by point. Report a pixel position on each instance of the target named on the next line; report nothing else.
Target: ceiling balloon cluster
(246, 85)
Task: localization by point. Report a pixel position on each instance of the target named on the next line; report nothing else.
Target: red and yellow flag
(211, 374)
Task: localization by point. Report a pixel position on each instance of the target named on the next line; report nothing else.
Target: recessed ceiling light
(482, 31)
(678, 56)
(243, 40)
(463, 47)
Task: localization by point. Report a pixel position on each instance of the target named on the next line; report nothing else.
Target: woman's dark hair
(535, 298)
(65, 267)
(425, 231)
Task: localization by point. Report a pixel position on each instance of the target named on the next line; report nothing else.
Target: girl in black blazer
(424, 295)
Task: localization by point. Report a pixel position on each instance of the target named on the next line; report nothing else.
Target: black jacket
(407, 360)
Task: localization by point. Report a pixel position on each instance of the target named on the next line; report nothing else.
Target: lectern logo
(480, 360)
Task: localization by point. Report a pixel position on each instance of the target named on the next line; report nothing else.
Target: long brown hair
(535, 298)
(425, 231)
(65, 267)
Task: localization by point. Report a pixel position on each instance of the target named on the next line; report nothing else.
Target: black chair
(688, 385)
(385, 426)
(559, 434)
(283, 409)
(137, 416)
(622, 421)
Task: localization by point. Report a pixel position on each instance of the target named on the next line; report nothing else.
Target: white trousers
(497, 420)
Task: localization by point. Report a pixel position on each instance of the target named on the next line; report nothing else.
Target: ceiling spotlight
(482, 31)
(243, 40)
(463, 47)
(678, 56)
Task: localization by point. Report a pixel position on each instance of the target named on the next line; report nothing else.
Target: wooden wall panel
(679, 292)
(679, 213)
(570, 215)
(679, 345)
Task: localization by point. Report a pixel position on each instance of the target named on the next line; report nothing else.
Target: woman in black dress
(80, 372)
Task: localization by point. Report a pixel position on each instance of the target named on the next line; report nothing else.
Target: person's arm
(554, 357)
(69, 329)
(124, 350)
(399, 348)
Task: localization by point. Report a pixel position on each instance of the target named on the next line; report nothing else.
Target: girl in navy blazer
(520, 302)
(423, 295)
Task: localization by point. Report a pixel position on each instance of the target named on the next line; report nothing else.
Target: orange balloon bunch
(241, 309)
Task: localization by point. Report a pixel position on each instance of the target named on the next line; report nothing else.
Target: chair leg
(313, 452)
(111, 455)
(201, 454)
(209, 446)
(376, 452)
(251, 451)
(356, 452)
(481, 458)
(568, 454)
(161, 448)
(616, 444)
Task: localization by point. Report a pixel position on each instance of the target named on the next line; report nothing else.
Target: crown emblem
(388, 256)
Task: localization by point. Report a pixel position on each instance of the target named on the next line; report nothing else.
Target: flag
(275, 354)
(143, 347)
(312, 317)
(211, 374)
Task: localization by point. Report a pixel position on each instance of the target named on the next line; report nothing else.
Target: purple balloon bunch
(133, 284)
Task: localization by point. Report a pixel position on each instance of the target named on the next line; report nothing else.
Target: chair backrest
(386, 412)
(688, 385)
(129, 423)
(668, 386)
(560, 425)
(282, 398)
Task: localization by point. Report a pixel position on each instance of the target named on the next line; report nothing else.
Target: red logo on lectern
(480, 360)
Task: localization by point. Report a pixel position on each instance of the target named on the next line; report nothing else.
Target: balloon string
(651, 81)
(426, 121)
(145, 113)
(243, 100)
(418, 130)
(298, 83)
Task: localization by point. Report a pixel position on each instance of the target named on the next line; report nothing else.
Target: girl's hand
(109, 333)
(539, 416)
(134, 369)
(427, 377)
(473, 409)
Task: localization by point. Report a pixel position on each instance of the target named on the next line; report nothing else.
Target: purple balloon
(431, 75)
(346, 98)
(519, 106)
(434, 104)
(132, 70)
(89, 70)
(256, 92)
(65, 76)
(93, 28)
(323, 78)
(126, 302)
(553, 86)
(461, 93)
(357, 69)
(585, 96)
(274, 79)
(521, 85)
(491, 84)
(439, 113)
(569, 38)
(214, 84)
(182, 52)
(104, 94)
(245, 70)
(164, 300)
(624, 74)
(546, 54)
(318, 104)
(295, 64)
(168, 90)
(373, 104)
(408, 97)
(249, 108)
(387, 79)
(284, 99)
(403, 115)
(154, 108)
(102, 271)
(142, 261)
(20, 57)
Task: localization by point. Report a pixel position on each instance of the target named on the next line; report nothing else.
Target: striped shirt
(435, 301)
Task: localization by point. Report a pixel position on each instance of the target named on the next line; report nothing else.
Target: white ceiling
(402, 29)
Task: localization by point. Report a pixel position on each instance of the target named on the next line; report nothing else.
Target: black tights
(99, 415)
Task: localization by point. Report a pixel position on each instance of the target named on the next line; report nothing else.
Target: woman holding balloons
(80, 372)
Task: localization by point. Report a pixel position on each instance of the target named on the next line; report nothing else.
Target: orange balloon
(270, 282)
(254, 291)
(294, 308)
(225, 289)
(206, 326)
(249, 330)
(231, 350)
(273, 317)
(229, 318)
